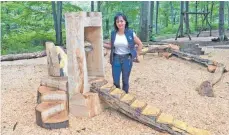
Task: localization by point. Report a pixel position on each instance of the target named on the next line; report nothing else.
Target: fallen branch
(12, 57)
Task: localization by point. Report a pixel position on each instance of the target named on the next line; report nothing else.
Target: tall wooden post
(83, 26)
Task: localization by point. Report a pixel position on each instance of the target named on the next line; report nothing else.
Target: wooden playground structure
(76, 82)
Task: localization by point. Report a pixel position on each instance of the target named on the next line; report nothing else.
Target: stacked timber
(52, 95)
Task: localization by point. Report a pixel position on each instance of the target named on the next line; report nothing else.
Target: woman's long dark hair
(124, 17)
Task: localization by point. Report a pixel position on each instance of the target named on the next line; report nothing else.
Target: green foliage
(27, 25)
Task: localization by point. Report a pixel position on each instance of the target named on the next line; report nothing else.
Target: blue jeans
(122, 64)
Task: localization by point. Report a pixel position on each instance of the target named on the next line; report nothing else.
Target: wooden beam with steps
(142, 112)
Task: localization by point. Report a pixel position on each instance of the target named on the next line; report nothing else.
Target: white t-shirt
(121, 44)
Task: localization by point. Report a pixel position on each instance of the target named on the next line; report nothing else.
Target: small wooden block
(151, 111)
(138, 104)
(211, 68)
(118, 93)
(127, 98)
(107, 87)
(165, 118)
(196, 131)
(180, 124)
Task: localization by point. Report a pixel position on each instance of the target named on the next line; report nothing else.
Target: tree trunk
(172, 13)
(144, 27)
(59, 20)
(181, 18)
(187, 17)
(54, 17)
(196, 17)
(151, 19)
(130, 106)
(157, 3)
(11, 57)
(92, 6)
(228, 15)
(207, 10)
(221, 21)
(99, 6)
(212, 5)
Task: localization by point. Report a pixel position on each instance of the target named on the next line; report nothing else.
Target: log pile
(141, 111)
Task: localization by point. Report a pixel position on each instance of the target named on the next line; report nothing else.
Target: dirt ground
(168, 84)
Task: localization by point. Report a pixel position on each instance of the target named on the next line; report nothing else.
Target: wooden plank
(77, 70)
(55, 82)
(50, 94)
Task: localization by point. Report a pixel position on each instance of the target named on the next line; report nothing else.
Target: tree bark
(196, 17)
(212, 5)
(181, 19)
(54, 17)
(157, 10)
(221, 21)
(144, 27)
(12, 57)
(151, 19)
(187, 17)
(92, 6)
(59, 20)
(131, 107)
(172, 13)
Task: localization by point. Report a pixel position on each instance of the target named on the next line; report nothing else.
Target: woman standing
(123, 50)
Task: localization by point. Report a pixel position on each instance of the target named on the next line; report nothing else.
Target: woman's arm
(107, 45)
(140, 45)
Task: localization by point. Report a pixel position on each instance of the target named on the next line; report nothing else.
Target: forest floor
(168, 84)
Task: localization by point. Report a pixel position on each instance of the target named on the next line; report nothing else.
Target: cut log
(85, 105)
(58, 120)
(206, 87)
(55, 82)
(38, 54)
(11, 57)
(48, 109)
(191, 57)
(48, 94)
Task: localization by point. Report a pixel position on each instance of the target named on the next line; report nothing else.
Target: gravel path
(168, 84)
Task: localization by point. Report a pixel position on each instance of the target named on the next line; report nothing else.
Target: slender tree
(59, 20)
(187, 17)
(99, 6)
(144, 27)
(172, 13)
(181, 18)
(92, 6)
(151, 19)
(212, 5)
(196, 16)
(57, 17)
(221, 21)
(157, 4)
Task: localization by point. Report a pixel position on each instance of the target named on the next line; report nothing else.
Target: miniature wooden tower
(66, 88)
